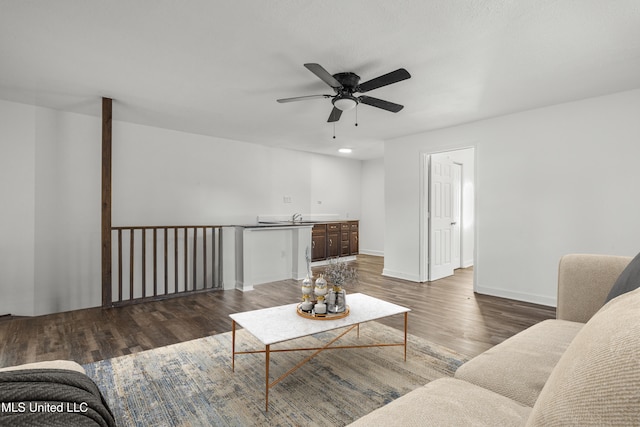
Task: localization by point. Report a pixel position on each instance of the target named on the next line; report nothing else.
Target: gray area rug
(192, 384)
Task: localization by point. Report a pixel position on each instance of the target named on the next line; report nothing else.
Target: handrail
(190, 261)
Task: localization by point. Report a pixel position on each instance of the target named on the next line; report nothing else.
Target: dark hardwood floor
(446, 312)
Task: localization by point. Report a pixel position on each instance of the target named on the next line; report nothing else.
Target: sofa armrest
(584, 281)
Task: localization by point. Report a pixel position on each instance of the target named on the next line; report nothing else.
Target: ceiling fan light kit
(344, 103)
(346, 84)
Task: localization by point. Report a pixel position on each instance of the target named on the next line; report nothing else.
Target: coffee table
(278, 324)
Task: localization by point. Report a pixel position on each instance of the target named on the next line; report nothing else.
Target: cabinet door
(318, 247)
(319, 242)
(353, 240)
(333, 244)
(333, 240)
(344, 239)
(354, 243)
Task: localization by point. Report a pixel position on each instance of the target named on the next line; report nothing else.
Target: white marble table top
(278, 324)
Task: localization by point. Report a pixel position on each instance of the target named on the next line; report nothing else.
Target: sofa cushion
(519, 366)
(628, 280)
(597, 380)
(448, 402)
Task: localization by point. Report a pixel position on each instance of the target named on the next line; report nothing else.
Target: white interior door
(456, 244)
(441, 218)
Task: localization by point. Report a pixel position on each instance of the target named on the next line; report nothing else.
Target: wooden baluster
(175, 259)
(119, 265)
(166, 263)
(214, 240)
(195, 257)
(186, 258)
(155, 262)
(131, 260)
(219, 257)
(204, 257)
(144, 263)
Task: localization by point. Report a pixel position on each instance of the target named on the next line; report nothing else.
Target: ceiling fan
(346, 84)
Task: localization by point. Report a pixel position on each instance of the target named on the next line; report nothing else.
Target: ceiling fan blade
(335, 115)
(387, 79)
(303, 98)
(323, 75)
(380, 103)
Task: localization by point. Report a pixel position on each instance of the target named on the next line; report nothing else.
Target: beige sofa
(560, 372)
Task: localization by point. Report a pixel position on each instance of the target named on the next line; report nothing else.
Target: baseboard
(467, 263)
(242, 287)
(400, 275)
(518, 296)
(371, 252)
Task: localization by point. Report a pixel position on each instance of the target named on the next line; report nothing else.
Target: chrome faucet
(297, 217)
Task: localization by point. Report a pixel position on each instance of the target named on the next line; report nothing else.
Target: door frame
(424, 211)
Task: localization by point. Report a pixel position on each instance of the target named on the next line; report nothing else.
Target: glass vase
(336, 300)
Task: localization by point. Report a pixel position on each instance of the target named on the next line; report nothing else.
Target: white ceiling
(217, 67)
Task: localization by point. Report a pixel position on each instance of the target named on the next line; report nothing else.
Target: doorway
(446, 213)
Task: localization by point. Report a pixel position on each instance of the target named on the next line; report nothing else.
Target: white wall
(549, 181)
(67, 211)
(165, 177)
(372, 221)
(335, 186)
(51, 194)
(17, 201)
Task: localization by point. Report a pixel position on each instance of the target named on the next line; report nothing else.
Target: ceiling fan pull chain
(356, 114)
(334, 130)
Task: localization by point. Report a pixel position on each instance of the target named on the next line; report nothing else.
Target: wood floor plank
(446, 312)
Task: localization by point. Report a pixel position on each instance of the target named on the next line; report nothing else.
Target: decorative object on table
(336, 300)
(339, 275)
(326, 316)
(320, 291)
(307, 292)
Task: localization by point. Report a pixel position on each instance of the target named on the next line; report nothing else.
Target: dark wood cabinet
(353, 238)
(319, 242)
(334, 239)
(345, 233)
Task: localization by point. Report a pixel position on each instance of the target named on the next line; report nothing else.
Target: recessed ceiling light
(345, 150)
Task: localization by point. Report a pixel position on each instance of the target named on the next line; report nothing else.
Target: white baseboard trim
(371, 252)
(242, 287)
(400, 275)
(518, 296)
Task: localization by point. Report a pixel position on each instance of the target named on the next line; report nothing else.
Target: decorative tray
(328, 316)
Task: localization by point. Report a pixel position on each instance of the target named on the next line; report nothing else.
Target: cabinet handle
(313, 244)
(330, 242)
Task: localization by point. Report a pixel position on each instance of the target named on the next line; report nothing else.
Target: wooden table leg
(233, 345)
(406, 314)
(266, 391)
